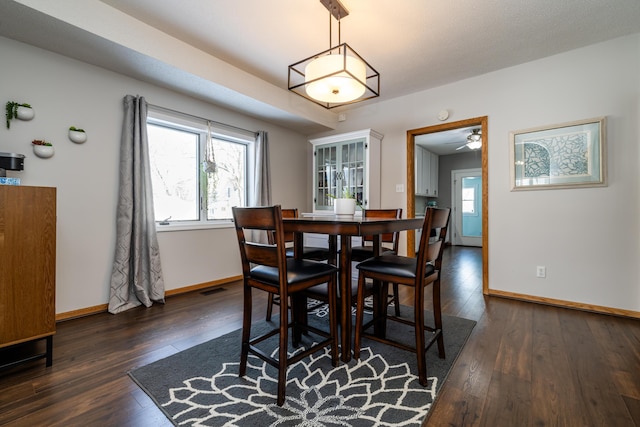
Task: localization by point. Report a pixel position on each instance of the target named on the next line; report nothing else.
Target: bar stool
(266, 267)
(419, 272)
(308, 252)
(365, 251)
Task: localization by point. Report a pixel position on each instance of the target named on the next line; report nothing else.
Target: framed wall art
(566, 155)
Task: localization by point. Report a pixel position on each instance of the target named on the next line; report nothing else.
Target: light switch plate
(399, 188)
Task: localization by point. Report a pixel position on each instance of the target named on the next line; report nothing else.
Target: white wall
(65, 92)
(587, 238)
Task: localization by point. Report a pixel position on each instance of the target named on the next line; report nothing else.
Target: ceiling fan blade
(461, 147)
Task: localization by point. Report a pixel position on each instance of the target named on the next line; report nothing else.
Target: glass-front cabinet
(347, 165)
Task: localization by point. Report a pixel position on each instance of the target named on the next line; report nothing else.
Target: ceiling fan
(474, 140)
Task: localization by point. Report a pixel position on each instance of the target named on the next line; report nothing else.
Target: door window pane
(468, 200)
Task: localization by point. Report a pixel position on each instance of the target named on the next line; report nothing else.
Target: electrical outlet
(541, 271)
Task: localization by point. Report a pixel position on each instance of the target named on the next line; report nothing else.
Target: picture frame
(565, 155)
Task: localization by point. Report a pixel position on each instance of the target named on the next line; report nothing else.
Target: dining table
(345, 227)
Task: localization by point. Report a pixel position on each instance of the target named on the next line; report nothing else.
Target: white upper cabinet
(433, 171)
(426, 168)
(347, 162)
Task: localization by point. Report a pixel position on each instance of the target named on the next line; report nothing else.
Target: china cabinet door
(326, 176)
(347, 163)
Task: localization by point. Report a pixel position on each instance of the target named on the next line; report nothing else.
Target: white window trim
(193, 225)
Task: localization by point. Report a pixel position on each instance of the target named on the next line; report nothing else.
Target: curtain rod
(201, 118)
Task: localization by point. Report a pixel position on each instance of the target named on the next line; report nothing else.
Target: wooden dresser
(27, 267)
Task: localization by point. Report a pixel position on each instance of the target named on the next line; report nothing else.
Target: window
(469, 200)
(188, 190)
(470, 190)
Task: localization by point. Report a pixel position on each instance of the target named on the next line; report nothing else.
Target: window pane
(226, 187)
(173, 156)
(468, 200)
(468, 206)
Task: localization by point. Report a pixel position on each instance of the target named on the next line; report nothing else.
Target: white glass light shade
(340, 87)
(474, 145)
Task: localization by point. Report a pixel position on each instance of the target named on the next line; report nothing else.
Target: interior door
(466, 186)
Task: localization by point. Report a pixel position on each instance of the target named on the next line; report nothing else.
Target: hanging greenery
(209, 163)
(12, 111)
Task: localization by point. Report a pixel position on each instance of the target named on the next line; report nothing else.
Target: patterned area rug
(200, 386)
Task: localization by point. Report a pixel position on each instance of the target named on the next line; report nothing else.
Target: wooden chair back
(288, 236)
(436, 219)
(392, 238)
(289, 213)
(272, 254)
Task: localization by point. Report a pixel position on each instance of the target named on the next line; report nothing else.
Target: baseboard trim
(102, 308)
(566, 304)
(82, 312)
(201, 286)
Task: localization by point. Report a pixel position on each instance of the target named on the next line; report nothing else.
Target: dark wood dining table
(346, 227)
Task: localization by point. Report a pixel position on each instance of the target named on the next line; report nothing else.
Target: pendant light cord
(331, 30)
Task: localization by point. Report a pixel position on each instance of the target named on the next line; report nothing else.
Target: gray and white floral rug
(200, 386)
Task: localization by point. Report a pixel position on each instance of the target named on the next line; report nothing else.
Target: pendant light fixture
(337, 76)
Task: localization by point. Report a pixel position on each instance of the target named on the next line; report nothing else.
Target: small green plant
(76, 129)
(12, 111)
(346, 194)
(41, 142)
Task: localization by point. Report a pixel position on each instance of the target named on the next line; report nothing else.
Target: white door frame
(456, 203)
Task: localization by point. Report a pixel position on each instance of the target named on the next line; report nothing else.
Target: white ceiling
(447, 142)
(413, 44)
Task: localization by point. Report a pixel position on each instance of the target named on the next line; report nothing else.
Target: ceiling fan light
(335, 78)
(474, 136)
(474, 145)
(474, 140)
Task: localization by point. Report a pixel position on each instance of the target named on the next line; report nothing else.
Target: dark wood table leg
(299, 316)
(333, 249)
(298, 302)
(345, 297)
(380, 301)
(298, 245)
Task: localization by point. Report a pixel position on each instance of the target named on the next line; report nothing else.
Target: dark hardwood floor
(524, 364)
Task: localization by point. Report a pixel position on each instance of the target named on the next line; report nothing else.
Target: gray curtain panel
(261, 194)
(136, 277)
(262, 188)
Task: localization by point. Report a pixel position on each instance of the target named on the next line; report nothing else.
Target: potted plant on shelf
(42, 148)
(77, 135)
(346, 203)
(17, 110)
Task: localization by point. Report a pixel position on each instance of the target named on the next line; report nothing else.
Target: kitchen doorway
(482, 124)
